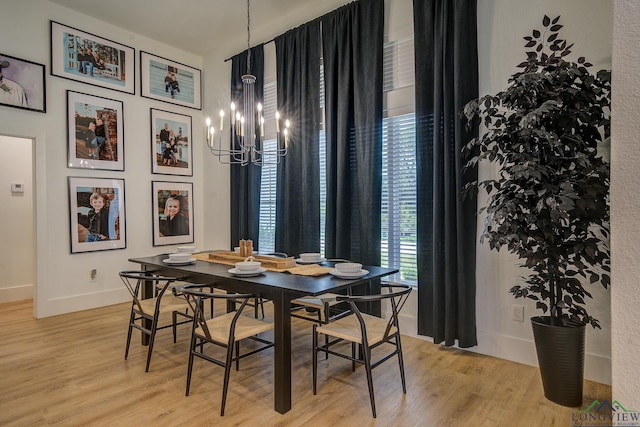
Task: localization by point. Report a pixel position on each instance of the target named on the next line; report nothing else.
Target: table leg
(282, 358)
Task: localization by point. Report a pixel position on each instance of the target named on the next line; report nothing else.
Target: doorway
(17, 224)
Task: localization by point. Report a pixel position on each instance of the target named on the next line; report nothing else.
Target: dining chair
(321, 305)
(367, 332)
(225, 330)
(145, 313)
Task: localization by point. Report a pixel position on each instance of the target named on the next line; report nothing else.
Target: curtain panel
(245, 180)
(298, 184)
(446, 79)
(352, 41)
(352, 38)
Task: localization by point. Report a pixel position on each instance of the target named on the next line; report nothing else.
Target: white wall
(625, 181)
(18, 251)
(63, 282)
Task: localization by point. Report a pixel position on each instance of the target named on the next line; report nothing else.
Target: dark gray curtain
(352, 41)
(298, 186)
(446, 79)
(245, 180)
(352, 38)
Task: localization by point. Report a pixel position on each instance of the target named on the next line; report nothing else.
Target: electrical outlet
(93, 274)
(517, 313)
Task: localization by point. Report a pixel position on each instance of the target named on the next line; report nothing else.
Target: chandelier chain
(248, 38)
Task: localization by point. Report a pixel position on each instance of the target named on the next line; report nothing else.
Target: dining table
(279, 287)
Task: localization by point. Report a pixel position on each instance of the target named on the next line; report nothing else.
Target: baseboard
(596, 367)
(69, 304)
(16, 293)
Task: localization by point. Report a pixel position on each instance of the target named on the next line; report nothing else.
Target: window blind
(399, 217)
(267, 230)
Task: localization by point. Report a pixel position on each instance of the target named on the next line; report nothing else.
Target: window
(399, 219)
(399, 194)
(267, 230)
(399, 233)
(322, 140)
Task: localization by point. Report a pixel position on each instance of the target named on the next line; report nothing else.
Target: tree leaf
(556, 27)
(546, 21)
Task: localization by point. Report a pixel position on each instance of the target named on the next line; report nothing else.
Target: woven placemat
(310, 270)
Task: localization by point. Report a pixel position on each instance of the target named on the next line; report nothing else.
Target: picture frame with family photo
(88, 58)
(95, 132)
(169, 81)
(172, 212)
(171, 143)
(97, 214)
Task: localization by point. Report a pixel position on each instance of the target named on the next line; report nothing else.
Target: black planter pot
(561, 357)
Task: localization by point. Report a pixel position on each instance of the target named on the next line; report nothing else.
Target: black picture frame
(171, 157)
(153, 72)
(103, 230)
(84, 113)
(114, 69)
(23, 84)
(168, 228)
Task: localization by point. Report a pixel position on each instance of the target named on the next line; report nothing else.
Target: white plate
(317, 261)
(172, 262)
(342, 275)
(239, 273)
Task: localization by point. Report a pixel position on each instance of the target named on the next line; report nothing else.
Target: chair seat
(246, 326)
(318, 301)
(348, 328)
(168, 303)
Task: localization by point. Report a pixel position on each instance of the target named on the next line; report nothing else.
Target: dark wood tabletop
(281, 288)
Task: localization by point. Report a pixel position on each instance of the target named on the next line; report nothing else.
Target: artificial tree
(549, 203)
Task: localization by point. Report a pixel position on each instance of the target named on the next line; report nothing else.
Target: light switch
(17, 187)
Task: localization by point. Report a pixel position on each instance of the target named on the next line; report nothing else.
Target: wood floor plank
(69, 370)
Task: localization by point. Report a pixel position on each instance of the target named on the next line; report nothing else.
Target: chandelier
(246, 127)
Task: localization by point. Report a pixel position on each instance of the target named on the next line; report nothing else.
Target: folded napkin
(310, 270)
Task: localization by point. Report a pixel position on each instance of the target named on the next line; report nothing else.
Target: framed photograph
(97, 213)
(170, 81)
(87, 58)
(95, 132)
(22, 84)
(172, 212)
(171, 152)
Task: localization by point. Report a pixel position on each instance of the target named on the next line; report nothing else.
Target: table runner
(301, 270)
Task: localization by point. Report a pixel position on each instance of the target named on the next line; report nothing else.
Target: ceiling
(204, 26)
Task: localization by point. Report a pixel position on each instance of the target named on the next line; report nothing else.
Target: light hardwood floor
(69, 370)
